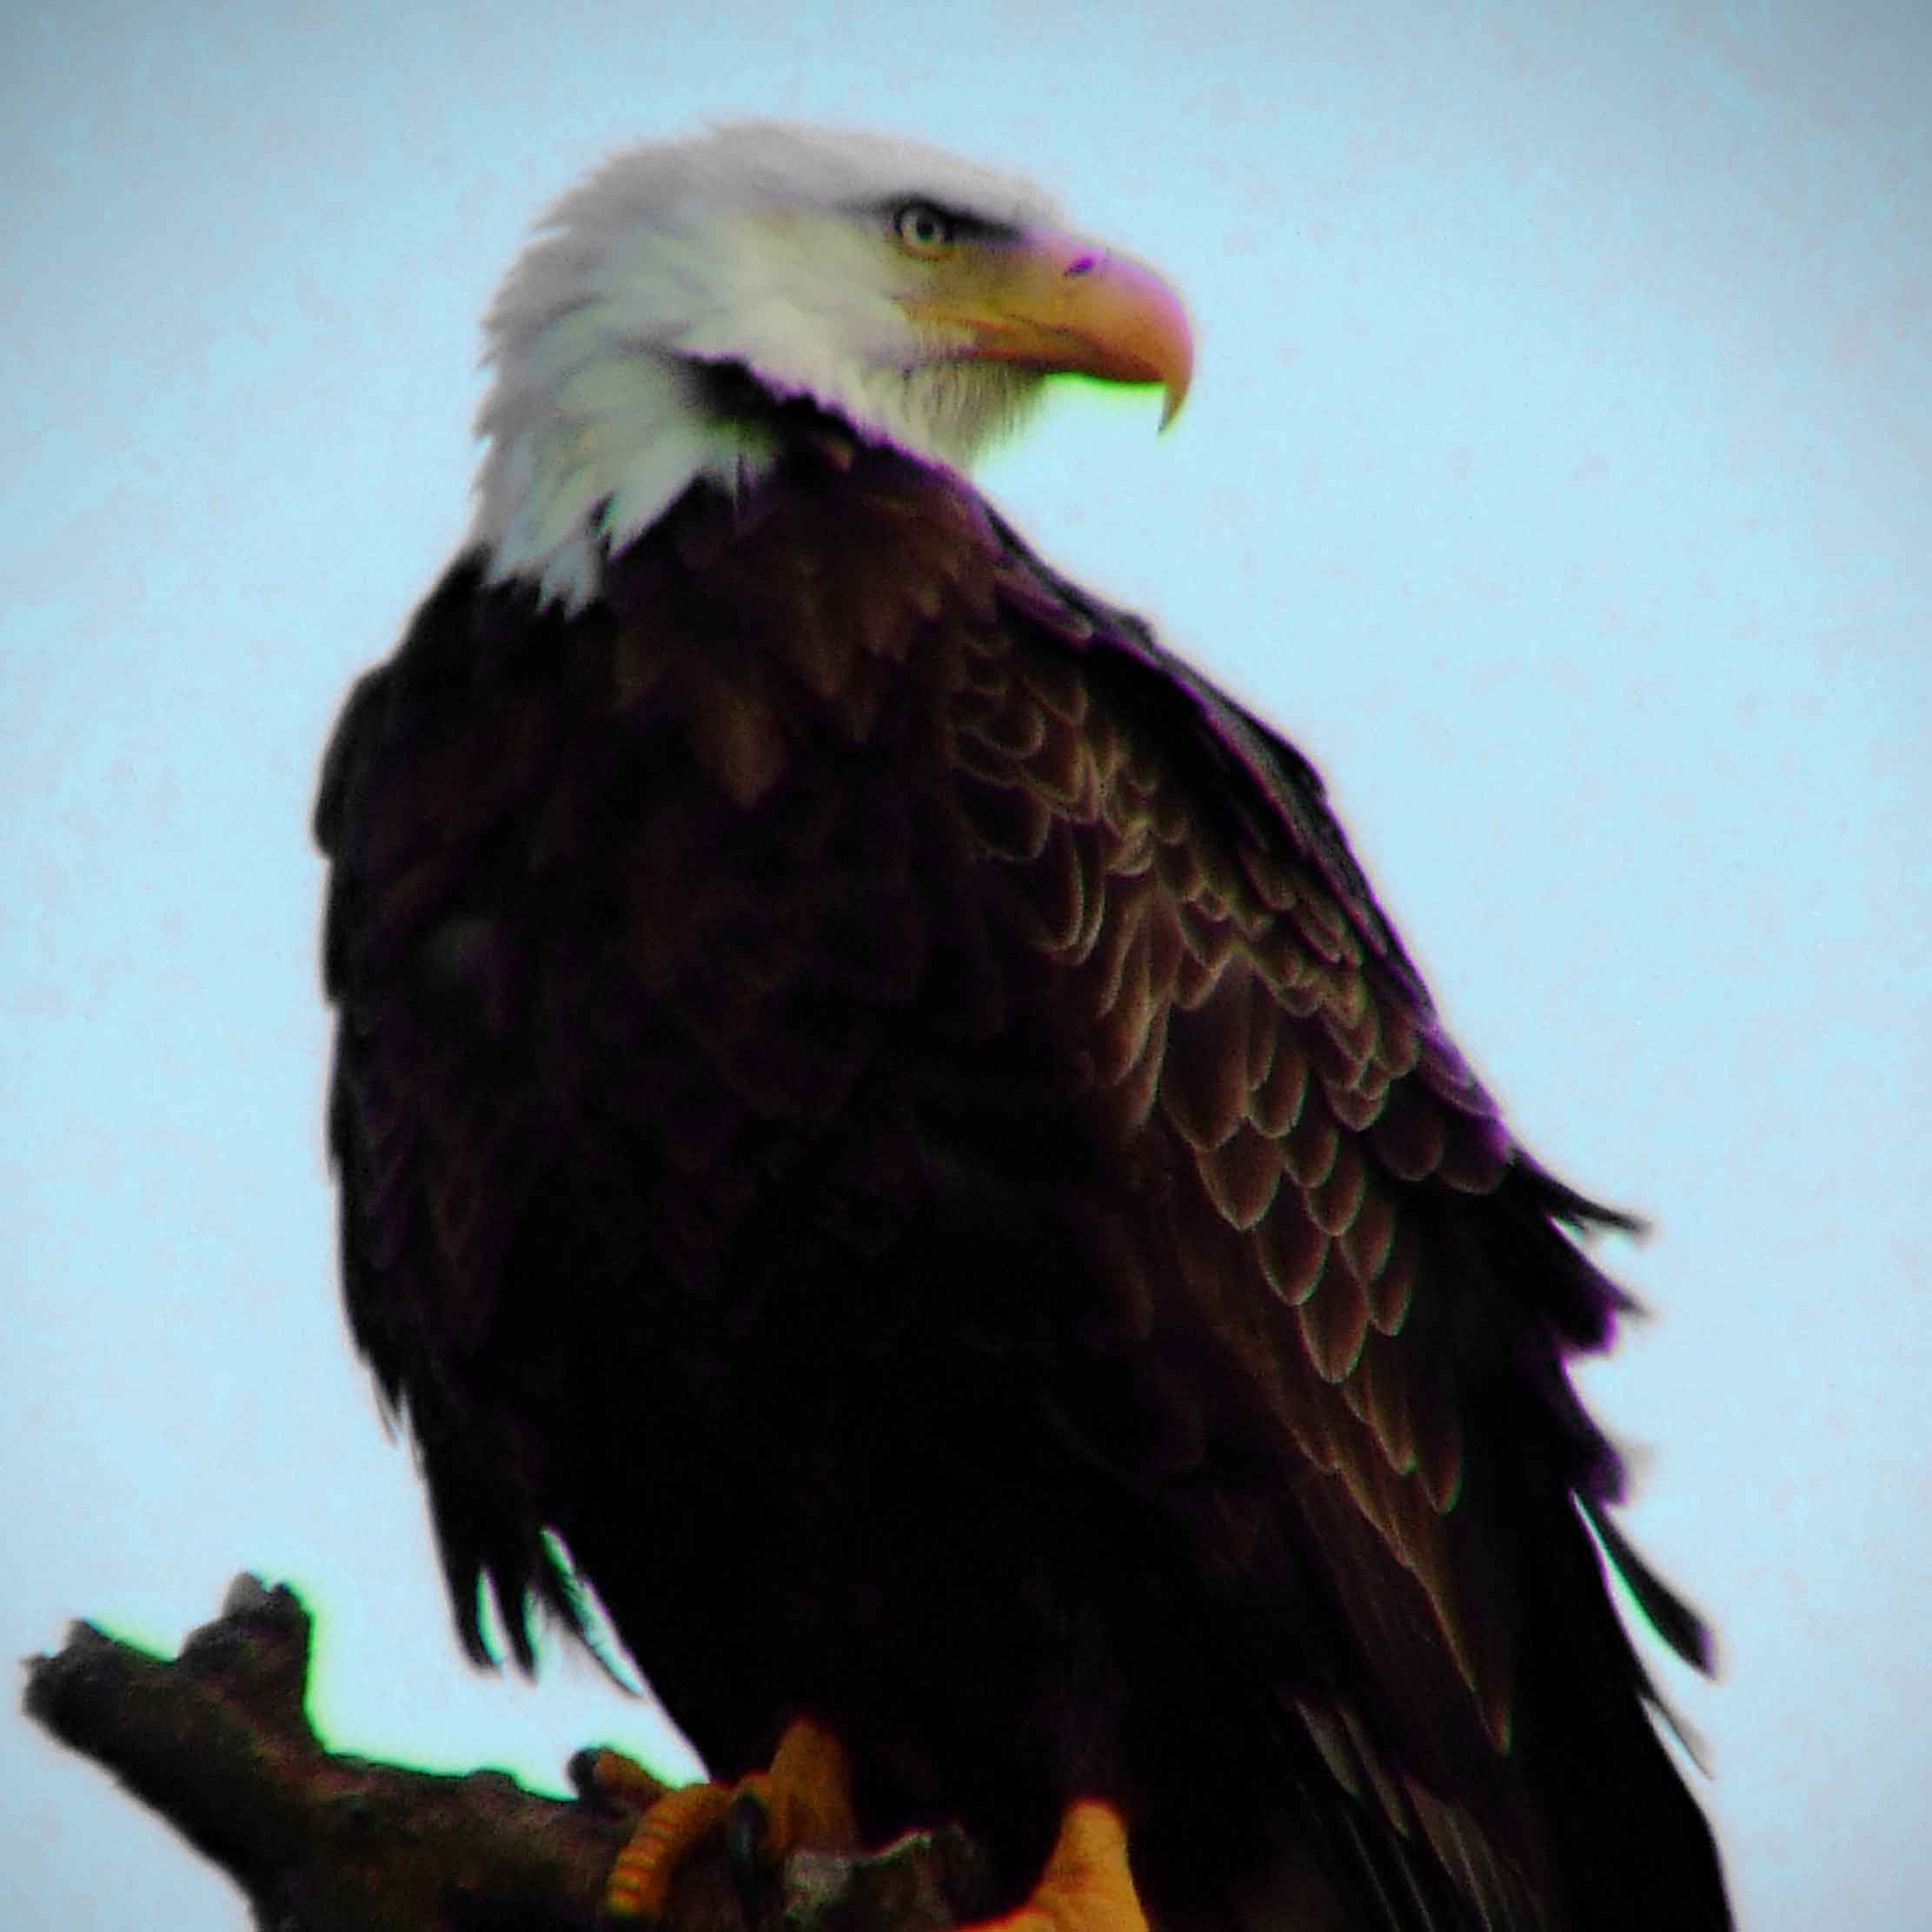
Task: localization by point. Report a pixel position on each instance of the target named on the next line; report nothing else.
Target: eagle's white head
(920, 299)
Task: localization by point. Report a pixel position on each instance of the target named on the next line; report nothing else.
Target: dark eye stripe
(957, 224)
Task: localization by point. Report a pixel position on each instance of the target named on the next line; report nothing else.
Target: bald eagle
(881, 1127)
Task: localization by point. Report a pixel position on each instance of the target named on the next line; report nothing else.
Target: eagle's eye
(925, 229)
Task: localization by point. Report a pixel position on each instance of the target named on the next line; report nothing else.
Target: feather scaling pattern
(876, 1106)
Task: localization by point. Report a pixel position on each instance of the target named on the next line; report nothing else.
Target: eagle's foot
(803, 1802)
(1087, 1885)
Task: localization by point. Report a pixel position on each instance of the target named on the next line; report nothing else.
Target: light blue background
(1557, 475)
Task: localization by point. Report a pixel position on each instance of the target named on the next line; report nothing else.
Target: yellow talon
(639, 1882)
(1087, 1885)
(808, 1792)
(621, 1778)
(806, 1797)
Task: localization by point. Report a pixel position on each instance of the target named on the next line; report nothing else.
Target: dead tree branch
(218, 1743)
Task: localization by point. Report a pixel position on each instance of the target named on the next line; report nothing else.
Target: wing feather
(1287, 1051)
(1325, 1299)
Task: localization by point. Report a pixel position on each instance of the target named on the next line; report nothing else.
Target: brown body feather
(877, 1106)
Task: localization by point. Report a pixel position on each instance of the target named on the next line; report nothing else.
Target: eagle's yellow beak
(1055, 303)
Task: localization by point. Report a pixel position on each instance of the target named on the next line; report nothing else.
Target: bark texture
(218, 1743)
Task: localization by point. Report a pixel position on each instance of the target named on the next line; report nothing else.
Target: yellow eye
(924, 230)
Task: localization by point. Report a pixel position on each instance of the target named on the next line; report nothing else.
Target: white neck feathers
(756, 247)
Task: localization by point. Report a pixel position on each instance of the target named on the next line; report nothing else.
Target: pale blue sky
(1558, 475)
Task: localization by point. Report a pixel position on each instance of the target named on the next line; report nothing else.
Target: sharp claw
(580, 1768)
(748, 1842)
